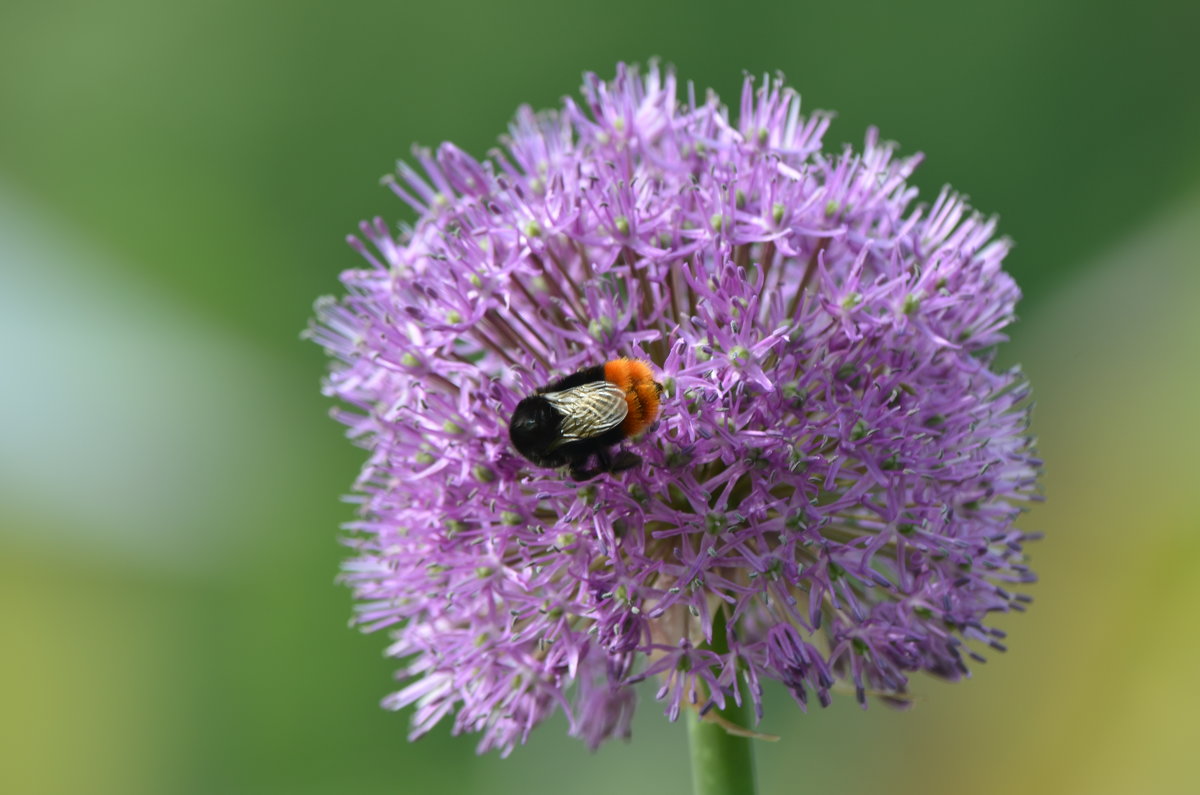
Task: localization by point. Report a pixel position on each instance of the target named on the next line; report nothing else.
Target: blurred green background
(176, 180)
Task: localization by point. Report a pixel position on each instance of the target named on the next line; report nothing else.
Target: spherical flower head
(828, 496)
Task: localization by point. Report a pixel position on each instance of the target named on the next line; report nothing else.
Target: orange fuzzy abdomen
(641, 392)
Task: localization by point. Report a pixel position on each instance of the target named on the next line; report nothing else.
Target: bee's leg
(604, 463)
(624, 460)
(579, 472)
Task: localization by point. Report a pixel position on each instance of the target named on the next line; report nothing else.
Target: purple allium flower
(829, 494)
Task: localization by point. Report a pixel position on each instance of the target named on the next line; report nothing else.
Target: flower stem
(722, 763)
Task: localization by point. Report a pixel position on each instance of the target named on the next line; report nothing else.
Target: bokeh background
(176, 180)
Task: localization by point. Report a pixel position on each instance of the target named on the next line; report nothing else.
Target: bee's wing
(589, 410)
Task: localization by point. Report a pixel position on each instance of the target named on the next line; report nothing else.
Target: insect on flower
(581, 416)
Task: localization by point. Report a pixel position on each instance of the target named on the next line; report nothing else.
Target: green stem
(722, 763)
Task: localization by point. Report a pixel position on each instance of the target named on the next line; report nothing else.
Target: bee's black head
(534, 430)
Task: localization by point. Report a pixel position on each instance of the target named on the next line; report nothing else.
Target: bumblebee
(581, 416)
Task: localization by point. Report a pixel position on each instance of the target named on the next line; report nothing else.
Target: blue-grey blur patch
(133, 426)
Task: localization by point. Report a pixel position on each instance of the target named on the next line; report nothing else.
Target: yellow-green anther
(599, 328)
(774, 568)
